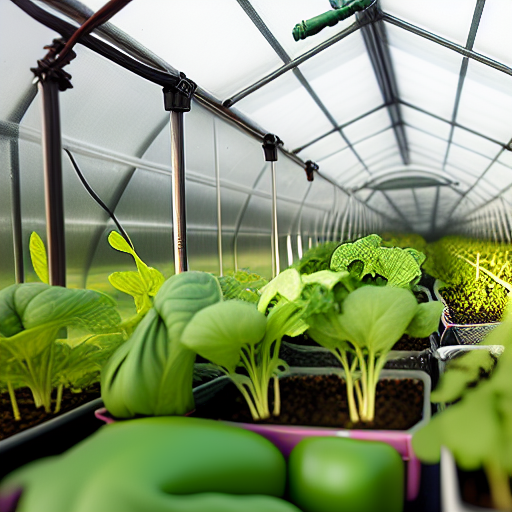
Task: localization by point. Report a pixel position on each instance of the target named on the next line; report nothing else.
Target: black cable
(98, 199)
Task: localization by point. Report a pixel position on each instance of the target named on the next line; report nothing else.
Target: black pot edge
(38, 430)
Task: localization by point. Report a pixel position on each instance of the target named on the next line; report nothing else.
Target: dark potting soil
(406, 342)
(321, 400)
(30, 416)
(474, 488)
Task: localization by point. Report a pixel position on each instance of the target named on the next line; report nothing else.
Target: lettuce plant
(361, 330)
(31, 317)
(151, 374)
(478, 428)
(241, 285)
(400, 267)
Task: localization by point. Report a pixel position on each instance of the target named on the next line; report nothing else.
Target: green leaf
(38, 257)
(218, 332)
(376, 317)
(426, 320)
(287, 284)
(326, 330)
(401, 267)
(149, 279)
(326, 278)
(59, 306)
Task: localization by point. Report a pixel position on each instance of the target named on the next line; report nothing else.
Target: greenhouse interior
(256, 256)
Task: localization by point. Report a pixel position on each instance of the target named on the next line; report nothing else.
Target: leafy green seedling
(151, 374)
(400, 267)
(234, 335)
(366, 325)
(242, 285)
(478, 428)
(141, 285)
(31, 316)
(38, 257)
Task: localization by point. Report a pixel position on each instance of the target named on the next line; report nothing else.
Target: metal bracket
(178, 98)
(310, 169)
(271, 143)
(47, 70)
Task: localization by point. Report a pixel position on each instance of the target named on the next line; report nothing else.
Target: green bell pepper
(158, 464)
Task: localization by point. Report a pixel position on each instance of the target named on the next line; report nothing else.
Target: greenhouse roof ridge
(350, 134)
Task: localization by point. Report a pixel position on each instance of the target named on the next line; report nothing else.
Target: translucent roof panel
(475, 143)
(421, 156)
(368, 125)
(494, 37)
(424, 122)
(285, 107)
(486, 102)
(338, 165)
(17, 59)
(447, 19)
(324, 148)
(506, 158)
(280, 17)
(434, 146)
(374, 145)
(216, 44)
(343, 78)
(468, 160)
(427, 73)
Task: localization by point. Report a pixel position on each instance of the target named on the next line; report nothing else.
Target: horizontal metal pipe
(446, 43)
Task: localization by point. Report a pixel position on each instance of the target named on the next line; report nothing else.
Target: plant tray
(460, 334)
(451, 500)
(285, 437)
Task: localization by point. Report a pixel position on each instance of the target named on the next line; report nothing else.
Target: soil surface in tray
(321, 400)
(30, 416)
(474, 488)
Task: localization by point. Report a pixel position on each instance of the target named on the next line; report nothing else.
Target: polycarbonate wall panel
(21, 45)
(108, 107)
(7, 276)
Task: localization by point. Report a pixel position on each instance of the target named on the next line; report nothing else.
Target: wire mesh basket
(460, 334)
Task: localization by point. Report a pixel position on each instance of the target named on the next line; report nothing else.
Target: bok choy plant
(233, 335)
(244, 339)
(360, 331)
(31, 316)
(151, 374)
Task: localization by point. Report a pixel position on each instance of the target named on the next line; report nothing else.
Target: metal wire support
(270, 144)
(177, 100)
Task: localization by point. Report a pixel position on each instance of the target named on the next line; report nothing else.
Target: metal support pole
(179, 217)
(270, 144)
(219, 198)
(275, 231)
(51, 79)
(177, 100)
(19, 271)
(53, 189)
